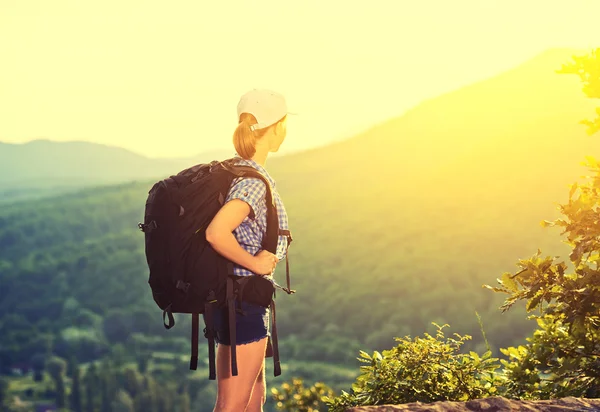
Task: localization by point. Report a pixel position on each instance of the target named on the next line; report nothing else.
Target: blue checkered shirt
(251, 231)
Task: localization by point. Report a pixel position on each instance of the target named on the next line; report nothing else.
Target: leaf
(533, 303)
(365, 355)
(571, 276)
(547, 223)
(509, 282)
(578, 326)
(591, 161)
(503, 290)
(574, 187)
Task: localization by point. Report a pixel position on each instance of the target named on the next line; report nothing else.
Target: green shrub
(298, 398)
(425, 369)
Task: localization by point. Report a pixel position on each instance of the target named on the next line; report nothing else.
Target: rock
(492, 404)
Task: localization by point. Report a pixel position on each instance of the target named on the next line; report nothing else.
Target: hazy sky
(163, 78)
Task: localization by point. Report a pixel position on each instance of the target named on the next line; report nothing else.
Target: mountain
(44, 167)
(420, 211)
(393, 229)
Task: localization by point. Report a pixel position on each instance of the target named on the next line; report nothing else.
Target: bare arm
(219, 234)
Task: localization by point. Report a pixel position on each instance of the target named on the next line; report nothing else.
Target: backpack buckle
(150, 226)
(211, 298)
(287, 234)
(182, 285)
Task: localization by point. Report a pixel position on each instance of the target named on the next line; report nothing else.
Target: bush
(425, 369)
(296, 397)
(562, 358)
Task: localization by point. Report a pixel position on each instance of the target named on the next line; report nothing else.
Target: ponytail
(244, 139)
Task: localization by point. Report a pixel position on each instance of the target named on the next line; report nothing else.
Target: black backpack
(186, 274)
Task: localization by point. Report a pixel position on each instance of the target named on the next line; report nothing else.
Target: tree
(105, 403)
(164, 400)
(117, 326)
(131, 382)
(184, 402)
(38, 363)
(61, 392)
(3, 392)
(91, 385)
(147, 401)
(89, 397)
(143, 359)
(71, 365)
(588, 69)
(118, 355)
(122, 402)
(562, 357)
(56, 368)
(75, 401)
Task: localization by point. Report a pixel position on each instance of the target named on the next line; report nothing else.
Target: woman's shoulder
(253, 184)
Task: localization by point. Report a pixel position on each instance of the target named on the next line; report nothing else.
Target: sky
(163, 78)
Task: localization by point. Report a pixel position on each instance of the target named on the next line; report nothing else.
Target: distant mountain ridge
(43, 166)
(56, 159)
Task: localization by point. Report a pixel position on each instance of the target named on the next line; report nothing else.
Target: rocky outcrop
(492, 404)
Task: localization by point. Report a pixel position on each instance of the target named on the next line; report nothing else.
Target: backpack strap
(270, 239)
(209, 333)
(287, 233)
(232, 330)
(195, 328)
(274, 342)
(168, 312)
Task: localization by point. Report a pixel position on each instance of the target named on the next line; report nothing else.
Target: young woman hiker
(236, 233)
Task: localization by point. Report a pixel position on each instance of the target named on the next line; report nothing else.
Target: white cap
(268, 107)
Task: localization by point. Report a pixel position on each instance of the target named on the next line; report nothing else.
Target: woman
(236, 233)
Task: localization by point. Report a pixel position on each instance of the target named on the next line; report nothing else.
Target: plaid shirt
(251, 231)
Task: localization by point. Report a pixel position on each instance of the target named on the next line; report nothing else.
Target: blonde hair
(244, 139)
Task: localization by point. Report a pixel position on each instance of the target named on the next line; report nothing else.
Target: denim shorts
(251, 327)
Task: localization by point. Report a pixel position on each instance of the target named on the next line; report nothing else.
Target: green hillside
(393, 229)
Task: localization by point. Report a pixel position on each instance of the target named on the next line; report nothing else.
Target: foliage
(56, 367)
(566, 347)
(38, 364)
(75, 399)
(122, 402)
(61, 391)
(587, 67)
(562, 357)
(3, 391)
(425, 369)
(295, 397)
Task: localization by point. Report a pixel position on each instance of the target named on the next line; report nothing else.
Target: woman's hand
(264, 263)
